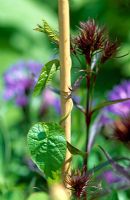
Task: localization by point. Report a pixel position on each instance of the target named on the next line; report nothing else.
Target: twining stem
(65, 70)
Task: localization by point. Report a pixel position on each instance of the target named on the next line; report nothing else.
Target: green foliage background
(19, 41)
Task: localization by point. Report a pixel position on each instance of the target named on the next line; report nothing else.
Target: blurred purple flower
(20, 79)
(106, 117)
(110, 177)
(120, 92)
(51, 99)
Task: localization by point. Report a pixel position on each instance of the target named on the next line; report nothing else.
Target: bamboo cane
(58, 192)
(65, 71)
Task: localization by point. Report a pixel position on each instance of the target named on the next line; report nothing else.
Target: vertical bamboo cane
(65, 72)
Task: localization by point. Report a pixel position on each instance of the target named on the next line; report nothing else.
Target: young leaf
(46, 75)
(108, 103)
(45, 28)
(73, 150)
(47, 146)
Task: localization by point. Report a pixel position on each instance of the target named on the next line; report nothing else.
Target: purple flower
(19, 81)
(51, 99)
(121, 109)
(104, 119)
(120, 91)
(110, 177)
(108, 115)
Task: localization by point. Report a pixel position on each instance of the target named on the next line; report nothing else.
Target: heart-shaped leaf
(47, 147)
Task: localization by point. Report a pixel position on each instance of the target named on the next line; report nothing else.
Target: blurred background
(18, 43)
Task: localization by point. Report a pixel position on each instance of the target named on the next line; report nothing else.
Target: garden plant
(50, 142)
(78, 141)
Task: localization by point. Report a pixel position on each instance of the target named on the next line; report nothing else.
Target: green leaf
(108, 103)
(45, 28)
(47, 147)
(38, 196)
(73, 150)
(46, 75)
